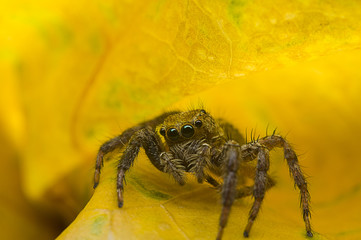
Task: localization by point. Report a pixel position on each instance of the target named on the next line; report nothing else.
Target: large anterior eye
(187, 131)
(172, 134)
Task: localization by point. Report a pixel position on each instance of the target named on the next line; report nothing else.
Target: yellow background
(76, 74)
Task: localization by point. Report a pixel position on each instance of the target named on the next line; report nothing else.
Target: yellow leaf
(82, 69)
(80, 73)
(317, 102)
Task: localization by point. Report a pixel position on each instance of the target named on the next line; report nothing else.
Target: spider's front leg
(230, 156)
(109, 146)
(172, 166)
(201, 160)
(121, 140)
(153, 147)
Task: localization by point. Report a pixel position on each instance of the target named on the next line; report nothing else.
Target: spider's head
(191, 125)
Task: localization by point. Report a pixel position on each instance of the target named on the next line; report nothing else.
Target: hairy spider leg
(230, 155)
(260, 186)
(197, 153)
(109, 146)
(301, 183)
(249, 151)
(204, 156)
(121, 140)
(248, 190)
(153, 147)
(212, 181)
(173, 166)
(233, 133)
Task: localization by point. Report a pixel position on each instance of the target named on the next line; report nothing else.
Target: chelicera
(193, 141)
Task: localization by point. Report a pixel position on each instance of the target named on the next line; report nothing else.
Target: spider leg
(212, 181)
(301, 183)
(248, 190)
(172, 166)
(296, 172)
(121, 140)
(259, 188)
(153, 147)
(203, 159)
(109, 146)
(230, 154)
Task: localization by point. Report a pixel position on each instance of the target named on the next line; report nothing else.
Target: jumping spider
(193, 141)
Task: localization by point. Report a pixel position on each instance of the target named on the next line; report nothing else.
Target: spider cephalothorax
(195, 142)
(183, 126)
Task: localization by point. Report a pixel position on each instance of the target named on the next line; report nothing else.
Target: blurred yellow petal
(19, 219)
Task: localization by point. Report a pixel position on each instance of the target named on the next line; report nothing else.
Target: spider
(193, 141)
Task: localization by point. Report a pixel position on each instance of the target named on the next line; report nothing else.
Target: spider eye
(187, 131)
(198, 123)
(203, 111)
(173, 134)
(162, 131)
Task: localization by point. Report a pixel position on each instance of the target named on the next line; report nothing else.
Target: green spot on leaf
(97, 225)
(138, 184)
(235, 10)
